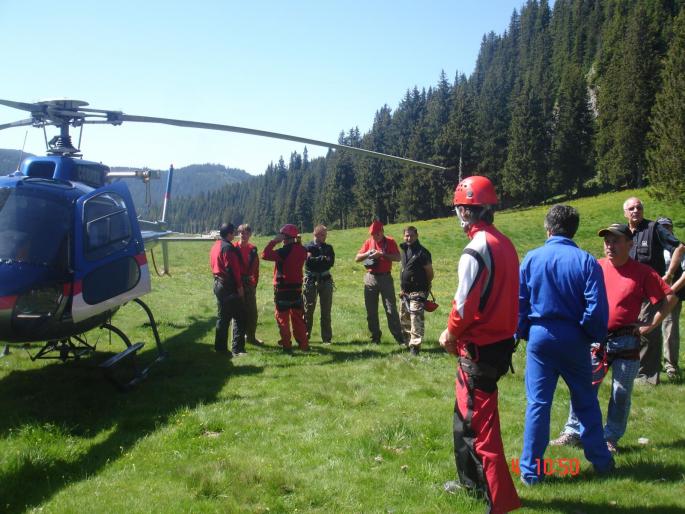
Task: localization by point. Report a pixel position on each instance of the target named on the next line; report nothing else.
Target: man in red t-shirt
(224, 262)
(378, 253)
(628, 284)
(249, 272)
(289, 260)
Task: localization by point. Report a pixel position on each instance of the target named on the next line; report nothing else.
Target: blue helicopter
(72, 249)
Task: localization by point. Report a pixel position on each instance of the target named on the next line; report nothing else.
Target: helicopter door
(110, 267)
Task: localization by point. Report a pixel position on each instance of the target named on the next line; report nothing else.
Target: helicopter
(73, 250)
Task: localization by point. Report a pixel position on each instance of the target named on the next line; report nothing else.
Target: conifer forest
(582, 97)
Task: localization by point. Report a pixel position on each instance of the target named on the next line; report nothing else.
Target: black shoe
(257, 342)
(239, 353)
(414, 350)
(224, 352)
(375, 341)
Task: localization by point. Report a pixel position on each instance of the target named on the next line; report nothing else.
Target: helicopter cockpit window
(107, 224)
(34, 227)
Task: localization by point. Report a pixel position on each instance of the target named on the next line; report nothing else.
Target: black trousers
(229, 307)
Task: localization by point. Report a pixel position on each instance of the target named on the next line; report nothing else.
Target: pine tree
(666, 158)
(524, 174)
(572, 150)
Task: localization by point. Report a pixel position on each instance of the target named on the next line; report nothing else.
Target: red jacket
(250, 262)
(225, 262)
(485, 307)
(289, 262)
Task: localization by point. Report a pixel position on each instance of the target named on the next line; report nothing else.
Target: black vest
(413, 275)
(646, 247)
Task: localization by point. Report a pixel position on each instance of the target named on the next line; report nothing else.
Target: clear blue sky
(309, 68)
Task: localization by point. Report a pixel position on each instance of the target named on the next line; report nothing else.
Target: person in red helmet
(287, 282)
(480, 332)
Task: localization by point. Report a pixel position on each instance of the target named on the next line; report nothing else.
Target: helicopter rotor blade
(22, 106)
(276, 135)
(20, 123)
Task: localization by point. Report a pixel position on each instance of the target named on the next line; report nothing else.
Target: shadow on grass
(587, 507)
(74, 401)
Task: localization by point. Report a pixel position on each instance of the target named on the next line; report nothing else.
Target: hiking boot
(414, 350)
(566, 440)
(224, 352)
(454, 486)
(239, 353)
(605, 471)
(673, 375)
(612, 446)
(257, 342)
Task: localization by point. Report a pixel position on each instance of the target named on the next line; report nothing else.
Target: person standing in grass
(288, 260)
(670, 328)
(224, 261)
(249, 273)
(627, 283)
(650, 239)
(562, 309)
(378, 253)
(415, 281)
(480, 332)
(318, 281)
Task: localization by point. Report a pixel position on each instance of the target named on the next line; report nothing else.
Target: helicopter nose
(19, 277)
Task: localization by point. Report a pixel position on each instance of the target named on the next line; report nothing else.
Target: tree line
(579, 98)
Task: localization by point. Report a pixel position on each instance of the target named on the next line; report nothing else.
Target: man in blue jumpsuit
(562, 310)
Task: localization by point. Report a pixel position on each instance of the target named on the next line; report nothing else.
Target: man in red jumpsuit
(289, 259)
(480, 332)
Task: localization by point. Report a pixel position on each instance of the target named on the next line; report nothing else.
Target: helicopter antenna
(80, 136)
(21, 154)
(45, 136)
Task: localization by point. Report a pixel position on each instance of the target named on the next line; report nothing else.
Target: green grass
(349, 427)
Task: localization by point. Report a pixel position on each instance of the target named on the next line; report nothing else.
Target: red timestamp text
(560, 467)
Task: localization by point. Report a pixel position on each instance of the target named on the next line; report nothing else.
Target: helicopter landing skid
(70, 348)
(122, 369)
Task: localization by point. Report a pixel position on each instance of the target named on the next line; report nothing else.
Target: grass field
(349, 427)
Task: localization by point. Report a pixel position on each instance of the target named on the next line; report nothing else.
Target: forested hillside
(561, 103)
(9, 160)
(188, 181)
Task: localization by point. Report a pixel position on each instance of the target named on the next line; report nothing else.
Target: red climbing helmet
(475, 190)
(289, 230)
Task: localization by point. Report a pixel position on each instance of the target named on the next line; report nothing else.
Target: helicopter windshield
(34, 227)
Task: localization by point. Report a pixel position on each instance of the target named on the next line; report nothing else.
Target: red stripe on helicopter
(66, 289)
(141, 259)
(7, 302)
(77, 288)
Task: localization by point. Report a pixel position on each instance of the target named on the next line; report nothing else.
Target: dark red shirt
(289, 262)
(627, 286)
(224, 261)
(387, 245)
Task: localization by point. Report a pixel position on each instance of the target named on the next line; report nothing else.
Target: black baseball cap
(618, 229)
